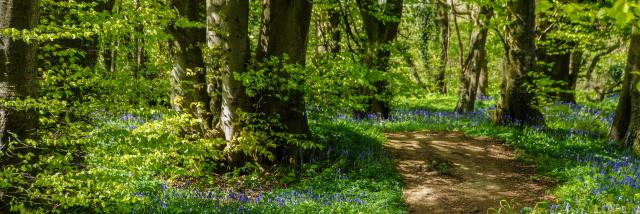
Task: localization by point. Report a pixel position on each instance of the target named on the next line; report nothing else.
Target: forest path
(447, 172)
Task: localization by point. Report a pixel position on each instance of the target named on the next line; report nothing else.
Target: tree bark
(626, 124)
(569, 95)
(443, 18)
(562, 67)
(139, 44)
(474, 64)
(517, 104)
(231, 43)
(18, 79)
(285, 29)
(380, 31)
(328, 32)
(483, 79)
(591, 67)
(188, 77)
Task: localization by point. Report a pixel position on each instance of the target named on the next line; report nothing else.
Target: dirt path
(451, 173)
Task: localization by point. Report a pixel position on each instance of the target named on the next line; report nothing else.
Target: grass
(353, 174)
(593, 174)
(154, 163)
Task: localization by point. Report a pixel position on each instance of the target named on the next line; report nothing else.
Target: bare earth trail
(447, 172)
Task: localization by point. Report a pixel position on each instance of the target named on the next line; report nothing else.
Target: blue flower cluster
(221, 201)
(128, 121)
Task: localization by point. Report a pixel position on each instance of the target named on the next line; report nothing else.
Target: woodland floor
(447, 172)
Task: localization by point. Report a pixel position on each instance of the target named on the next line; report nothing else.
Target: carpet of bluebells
(354, 174)
(593, 174)
(158, 169)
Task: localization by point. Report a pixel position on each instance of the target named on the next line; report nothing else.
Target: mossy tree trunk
(284, 32)
(328, 31)
(445, 36)
(188, 79)
(18, 78)
(517, 104)
(475, 63)
(626, 124)
(381, 21)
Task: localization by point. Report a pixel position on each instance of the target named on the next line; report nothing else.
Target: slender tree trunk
(381, 31)
(563, 68)
(483, 79)
(188, 91)
(412, 65)
(139, 44)
(474, 64)
(18, 78)
(445, 35)
(428, 14)
(626, 124)
(517, 104)
(591, 67)
(569, 94)
(328, 31)
(285, 29)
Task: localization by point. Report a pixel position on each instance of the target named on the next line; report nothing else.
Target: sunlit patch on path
(447, 172)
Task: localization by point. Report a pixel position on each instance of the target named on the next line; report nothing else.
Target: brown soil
(452, 173)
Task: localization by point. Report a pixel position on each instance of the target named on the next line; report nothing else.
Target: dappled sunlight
(448, 172)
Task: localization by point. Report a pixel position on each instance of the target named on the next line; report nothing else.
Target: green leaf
(543, 5)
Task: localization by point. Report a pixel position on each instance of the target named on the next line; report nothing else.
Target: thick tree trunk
(18, 78)
(474, 64)
(445, 35)
(285, 29)
(517, 103)
(188, 91)
(381, 31)
(231, 42)
(626, 124)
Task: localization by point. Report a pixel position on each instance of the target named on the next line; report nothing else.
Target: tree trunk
(591, 67)
(564, 68)
(412, 65)
(443, 18)
(18, 77)
(626, 124)
(188, 91)
(380, 31)
(285, 29)
(517, 104)
(18, 68)
(231, 41)
(428, 15)
(483, 79)
(569, 95)
(474, 64)
(139, 44)
(328, 32)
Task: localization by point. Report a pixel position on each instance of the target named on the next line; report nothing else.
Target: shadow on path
(447, 172)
